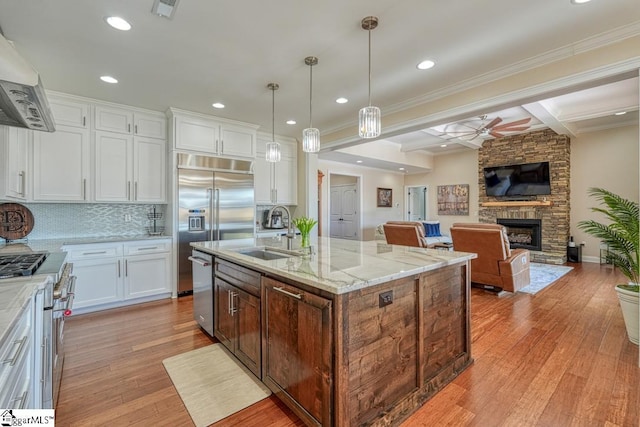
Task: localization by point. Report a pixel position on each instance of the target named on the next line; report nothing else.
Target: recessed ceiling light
(108, 79)
(342, 100)
(443, 145)
(118, 23)
(620, 113)
(580, 1)
(291, 122)
(217, 105)
(401, 169)
(426, 64)
(358, 161)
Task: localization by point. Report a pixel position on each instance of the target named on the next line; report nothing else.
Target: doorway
(344, 206)
(416, 208)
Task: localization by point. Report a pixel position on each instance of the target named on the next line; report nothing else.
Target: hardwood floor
(558, 358)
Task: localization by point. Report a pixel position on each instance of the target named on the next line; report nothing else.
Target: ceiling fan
(471, 130)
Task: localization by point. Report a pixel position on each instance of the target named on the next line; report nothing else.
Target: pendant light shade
(369, 122)
(310, 135)
(273, 148)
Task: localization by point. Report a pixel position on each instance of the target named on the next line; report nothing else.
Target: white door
(146, 275)
(343, 217)
(113, 167)
(149, 169)
(416, 203)
(99, 281)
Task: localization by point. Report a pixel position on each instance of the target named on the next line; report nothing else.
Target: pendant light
(273, 148)
(311, 135)
(369, 119)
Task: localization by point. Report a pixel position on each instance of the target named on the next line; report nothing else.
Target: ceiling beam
(549, 118)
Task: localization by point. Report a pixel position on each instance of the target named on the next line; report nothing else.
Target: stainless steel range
(16, 265)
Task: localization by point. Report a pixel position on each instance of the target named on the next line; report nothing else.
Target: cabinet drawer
(244, 278)
(147, 247)
(14, 353)
(93, 251)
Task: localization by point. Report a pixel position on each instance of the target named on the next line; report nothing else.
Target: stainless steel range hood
(23, 102)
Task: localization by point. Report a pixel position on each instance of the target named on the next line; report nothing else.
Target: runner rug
(213, 384)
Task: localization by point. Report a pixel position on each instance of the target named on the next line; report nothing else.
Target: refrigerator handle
(210, 197)
(217, 214)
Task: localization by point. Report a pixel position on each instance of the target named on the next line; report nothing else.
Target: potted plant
(621, 236)
(305, 225)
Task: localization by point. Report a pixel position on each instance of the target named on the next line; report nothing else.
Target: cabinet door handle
(21, 176)
(286, 292)
(84, 120)
(126, 268)
(149, 248)
(94, 253)
(135, 191)
(84, 189)
(22, 399)
(222, 146)
(229, 301)
(12, 361)
(135, 129)
(128, 190)
(129, 128)
(119, 274)
(234, 309)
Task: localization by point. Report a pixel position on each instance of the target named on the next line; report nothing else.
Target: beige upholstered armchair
(496, 266)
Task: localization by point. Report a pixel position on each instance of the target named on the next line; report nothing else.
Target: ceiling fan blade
(515, 129)
(495, 134)
(514, 123)
(492, 123)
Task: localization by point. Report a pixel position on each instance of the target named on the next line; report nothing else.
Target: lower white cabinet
(116, 274)
(16, 359)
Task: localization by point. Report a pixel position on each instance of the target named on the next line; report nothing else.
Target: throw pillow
(432, 228)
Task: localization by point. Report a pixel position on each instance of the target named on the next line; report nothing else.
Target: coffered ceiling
(227, 51)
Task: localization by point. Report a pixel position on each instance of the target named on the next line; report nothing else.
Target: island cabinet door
(297, 339)
(224, 320)
(247, 346)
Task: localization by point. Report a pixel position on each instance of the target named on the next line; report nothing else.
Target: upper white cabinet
(69, 111)
(130, 122)
(14, 161)
(129, 169)
(61, 165)
(276, 182)
(212, 135)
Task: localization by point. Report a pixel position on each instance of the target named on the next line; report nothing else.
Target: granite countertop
(55, 245)
(339, 266)
(14, 295)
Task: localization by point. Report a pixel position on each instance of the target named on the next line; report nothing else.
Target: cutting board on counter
(16, 221)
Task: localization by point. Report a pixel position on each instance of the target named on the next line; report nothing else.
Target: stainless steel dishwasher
(202, 264)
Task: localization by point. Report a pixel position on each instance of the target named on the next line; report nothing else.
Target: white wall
(370, 179)
(606, 159)
(450, 169)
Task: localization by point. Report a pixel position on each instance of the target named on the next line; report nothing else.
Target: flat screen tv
(526, 179)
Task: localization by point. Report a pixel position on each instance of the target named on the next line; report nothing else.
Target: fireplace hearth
(523, 233)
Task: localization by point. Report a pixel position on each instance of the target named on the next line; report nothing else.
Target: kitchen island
(359, 333)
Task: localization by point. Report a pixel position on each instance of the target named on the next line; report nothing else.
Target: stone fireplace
(552, 210)
(523, 233)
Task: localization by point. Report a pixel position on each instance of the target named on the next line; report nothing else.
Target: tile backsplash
(71, 220)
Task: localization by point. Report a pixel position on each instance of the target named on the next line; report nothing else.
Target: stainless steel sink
(264, 254)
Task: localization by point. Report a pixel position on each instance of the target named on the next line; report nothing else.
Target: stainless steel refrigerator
(215, 202)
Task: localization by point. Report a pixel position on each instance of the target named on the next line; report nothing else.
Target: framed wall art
(384, 197)
(453, 199)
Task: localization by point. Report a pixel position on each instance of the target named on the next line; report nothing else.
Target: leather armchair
(405, 233)
(497, 265)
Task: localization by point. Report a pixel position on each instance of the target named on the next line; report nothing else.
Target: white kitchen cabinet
(61, 165)
(113, 163)
(120, 273)
(14, 161)
(149, 170)
(213, 136)
(68, 111)
(276, 182)
(98, 282)
(16, 354)
(129, 169)
(131, 122)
